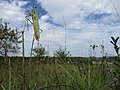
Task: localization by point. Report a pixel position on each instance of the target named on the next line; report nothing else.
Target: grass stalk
(10, 75)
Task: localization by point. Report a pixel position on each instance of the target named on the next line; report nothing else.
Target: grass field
(56, 74)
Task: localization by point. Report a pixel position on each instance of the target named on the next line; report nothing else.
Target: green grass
(56, 74)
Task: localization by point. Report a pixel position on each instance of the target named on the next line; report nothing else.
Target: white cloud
(13, 12)
(78, 30)
(69, 8)
(45, 18)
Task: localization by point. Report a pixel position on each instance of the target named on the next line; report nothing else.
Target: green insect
(36, 24)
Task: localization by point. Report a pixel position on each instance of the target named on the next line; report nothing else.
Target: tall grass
(56, 74)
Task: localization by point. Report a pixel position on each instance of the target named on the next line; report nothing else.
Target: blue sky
(88, 22)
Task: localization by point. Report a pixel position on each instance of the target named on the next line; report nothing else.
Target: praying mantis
(35, 23)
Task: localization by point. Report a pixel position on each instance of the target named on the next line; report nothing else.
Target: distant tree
(39, 52)
(62, 54)
(9, 40)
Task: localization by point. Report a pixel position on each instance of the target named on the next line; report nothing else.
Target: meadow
(57, 73)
